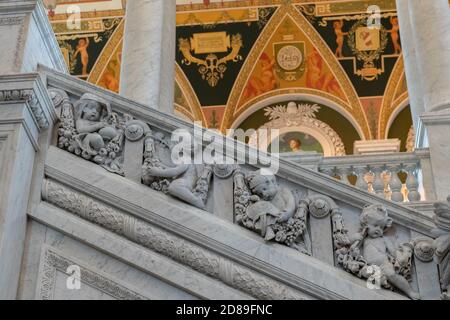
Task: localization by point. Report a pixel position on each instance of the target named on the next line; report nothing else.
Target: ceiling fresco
(235, 55)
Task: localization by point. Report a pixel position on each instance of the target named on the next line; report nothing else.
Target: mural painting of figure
(339, 37)
(317, 77)
(110, 81)
(263, 82)
(395, 35)
(83, 45)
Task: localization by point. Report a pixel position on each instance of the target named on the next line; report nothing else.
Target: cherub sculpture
(94, 123)
(442, 244)
(271, 210)
(90, 129)
(369, 250)
(186, 181)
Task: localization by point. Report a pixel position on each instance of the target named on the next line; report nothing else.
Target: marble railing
(305, 210)
(400, 177)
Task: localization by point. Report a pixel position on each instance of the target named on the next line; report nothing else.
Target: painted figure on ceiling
(110, 81)
(339, 37)
(317, 77)
(83, 45)
(395, 35)
(262, 82)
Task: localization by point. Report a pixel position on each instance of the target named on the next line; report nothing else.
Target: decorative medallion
(290, 59)
(424, 250)
(368, 44)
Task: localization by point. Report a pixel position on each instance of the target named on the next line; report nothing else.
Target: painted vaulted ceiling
(235, 56)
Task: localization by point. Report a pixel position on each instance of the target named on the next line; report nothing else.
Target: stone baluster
(395, 184)
(344, 172)
(378, 183)
(412, 184)
(361, 182)
(329, 171)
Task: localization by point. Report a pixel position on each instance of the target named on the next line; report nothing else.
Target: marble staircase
(133, 242)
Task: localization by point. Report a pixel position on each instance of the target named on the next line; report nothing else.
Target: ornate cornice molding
(29, 89)
(11, 21)
(174, 247)
(29, 97)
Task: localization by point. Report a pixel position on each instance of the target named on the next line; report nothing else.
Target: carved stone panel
(58, 277)
(370, 255)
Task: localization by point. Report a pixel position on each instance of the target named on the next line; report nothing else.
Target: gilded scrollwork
(212, 68)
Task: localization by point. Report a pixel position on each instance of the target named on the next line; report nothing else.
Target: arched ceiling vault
(189, 94)
(390, 103)
(368, 105)
(353, 105)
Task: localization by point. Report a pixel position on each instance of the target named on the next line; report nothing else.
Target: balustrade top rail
(403, 158)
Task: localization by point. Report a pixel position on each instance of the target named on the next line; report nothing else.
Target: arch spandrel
(350, 98)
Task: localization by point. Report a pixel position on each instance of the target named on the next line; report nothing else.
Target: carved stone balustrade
(400, 177)
(110, 175)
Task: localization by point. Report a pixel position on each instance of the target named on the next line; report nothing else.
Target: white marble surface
(430, 23)
(231, 241)
(27, 38)
(149, 53)
(438, 126)
(16, 168)
(376, 147)
(155, 276)
(410, 61)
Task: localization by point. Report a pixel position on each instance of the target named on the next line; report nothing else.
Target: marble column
(430, 22)
(148, 58)
(415, 94)
(27, 38)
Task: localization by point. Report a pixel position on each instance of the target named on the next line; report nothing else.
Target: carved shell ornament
(299, 118)
(424, 250)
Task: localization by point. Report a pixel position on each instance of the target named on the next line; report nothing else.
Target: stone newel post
(147, 74)
(26, 120)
